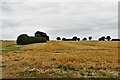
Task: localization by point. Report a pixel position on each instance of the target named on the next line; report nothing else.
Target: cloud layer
(64, 19)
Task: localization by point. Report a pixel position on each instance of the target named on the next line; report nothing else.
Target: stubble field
(60, 59)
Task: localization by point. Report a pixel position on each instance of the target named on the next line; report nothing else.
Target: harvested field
(60, 59)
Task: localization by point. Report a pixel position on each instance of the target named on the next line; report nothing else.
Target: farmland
(60, 59)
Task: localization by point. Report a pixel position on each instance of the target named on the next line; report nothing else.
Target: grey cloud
(64, 19)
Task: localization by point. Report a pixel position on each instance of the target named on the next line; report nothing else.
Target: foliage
(102, 38)
(24, 39)
(58, 38)
(63, 38)
(78, 39)
(41, 34)
(74, 38)
(37, 39)
(84, 39)
(90, 37)
(108, 38)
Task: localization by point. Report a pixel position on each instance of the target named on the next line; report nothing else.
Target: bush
(108, 38)
(63, 39)
(58, 38)
(90, 38)
(41, 34)
(31, 40)
(74, 38)
(78, 39)
(39, 39)
(23, 39)
(84, 39)
(102, 38)
(47, 37)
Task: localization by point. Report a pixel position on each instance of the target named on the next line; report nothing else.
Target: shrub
(74, 38)
(23, 39)
(31, 40)
(108, 38)
(58, 38)
(41, 34)
(63, 39)
(84, 39)
(102, 38)
(90, 37)
(78, 39)
(115, 40)
(40, 39)
(47, 37)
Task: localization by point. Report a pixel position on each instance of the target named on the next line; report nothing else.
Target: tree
(58, 38)
(39, 37)
(74, 38)
(108, 38)
(23, 39)
(41, 34)
(63, 38)
(84, 39)
(47, 37)
(78, 39)
(100, 39)
(103, 38)
(90, 37)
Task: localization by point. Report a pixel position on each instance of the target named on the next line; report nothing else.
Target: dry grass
(62, 59)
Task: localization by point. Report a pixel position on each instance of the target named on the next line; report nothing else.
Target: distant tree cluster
(103, 38)
(115, 40)
(72, 39)
(75, 38)
(39, 37)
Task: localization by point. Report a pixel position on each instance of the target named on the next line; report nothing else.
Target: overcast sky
(64, 19)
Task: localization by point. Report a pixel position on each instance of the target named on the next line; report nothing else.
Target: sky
(85, 18)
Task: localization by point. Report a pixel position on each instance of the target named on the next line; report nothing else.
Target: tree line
(75, 38)
(40, 37)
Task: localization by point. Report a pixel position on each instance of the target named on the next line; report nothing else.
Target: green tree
(23, 39)
(58, 38)
(78, 39)
(108, 38)
(74, 38)
(84, 39)
(63, 39)
(90, 38)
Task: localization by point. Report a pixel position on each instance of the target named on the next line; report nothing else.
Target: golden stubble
(45, 56)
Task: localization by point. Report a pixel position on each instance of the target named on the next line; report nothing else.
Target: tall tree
(108, 38)
(103, 38)
(84, 39)
(78, 39)
(74, 38)
(90, 37)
